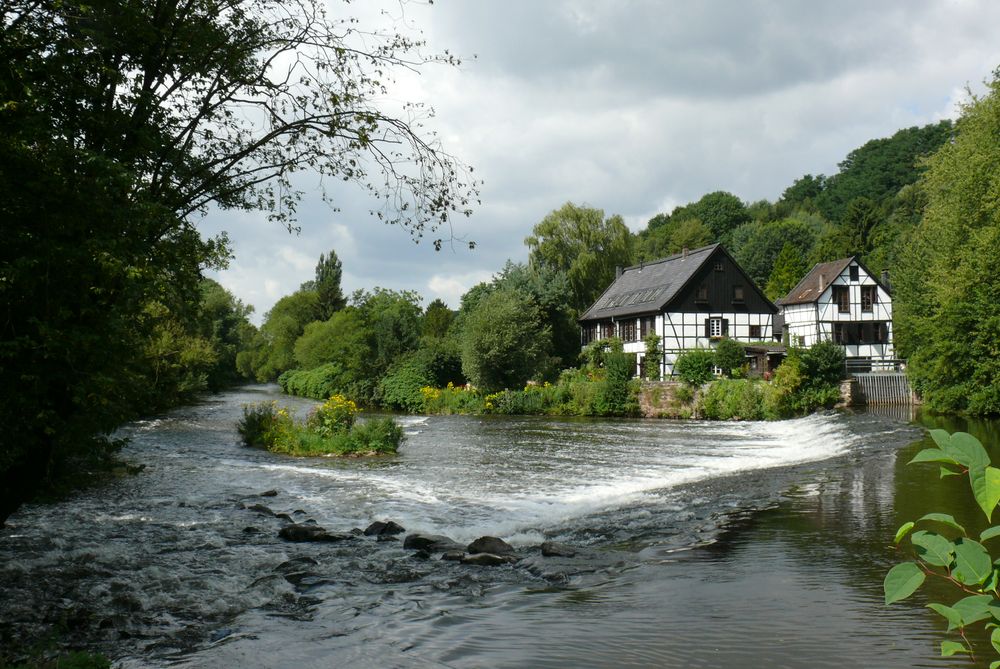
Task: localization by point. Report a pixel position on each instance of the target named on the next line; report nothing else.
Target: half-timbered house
(691, 299)
(843, 302)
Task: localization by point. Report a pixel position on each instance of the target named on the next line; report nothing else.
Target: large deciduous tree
(586, 246)
(122, 121)
(946, 311)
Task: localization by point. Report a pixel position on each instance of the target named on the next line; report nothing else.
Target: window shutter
(725, 327)
(708, 328)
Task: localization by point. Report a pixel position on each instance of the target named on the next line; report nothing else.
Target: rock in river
(488, 559)
(556, 549)
(301, 532)
(435, 543)
(490, 545)
(387, 528)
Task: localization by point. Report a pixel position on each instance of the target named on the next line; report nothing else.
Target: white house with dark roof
(843, 302)
(691, 299)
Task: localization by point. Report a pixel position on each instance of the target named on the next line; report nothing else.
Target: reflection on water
(704, 545)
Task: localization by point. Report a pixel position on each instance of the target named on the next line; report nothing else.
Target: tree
(342, 339)
(946, 313)
(392, 322)
(789, 268)
(437, 320)
(653, 358)
(756, 246)
(274, 346)
(504, 341)
(582, 243)
(860, 220)
(694, 366)
(722, 212)
(327, 284)
(120, 123)
(729, 355)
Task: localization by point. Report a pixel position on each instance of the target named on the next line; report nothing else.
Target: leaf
(973, 608)
(947, 472)
(995, 664)
(985, 483)
(941, 437)
(972, 562)
(992, 582)
(953, 617)
(995, 640)
(969, 448)
(932, 455)
(903, 530)
(933, 548)
(989, 533)
(949, 648)
(944, 518)
(902, 581)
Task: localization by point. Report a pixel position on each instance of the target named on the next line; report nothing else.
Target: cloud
(450, 288)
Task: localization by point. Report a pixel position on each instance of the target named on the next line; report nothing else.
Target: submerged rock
(384, 528)
(297, 563)
(435, 543)
(488, 559)
(556, 549)
(269, 493)
(454, 556)
(302, 532)
(491, 545)
(260, 508)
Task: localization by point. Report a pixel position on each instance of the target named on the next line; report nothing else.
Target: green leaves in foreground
(962, 560)
(902, 581)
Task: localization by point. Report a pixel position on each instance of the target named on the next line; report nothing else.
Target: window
(647, 325)
(702, 294)
(607, 330)
(839, 333)
(589, 334)
(718, 267)
(627, 330)
(868, 297)
(755, 332)
(842, 298)
(854, 272)
(738, 294)
(716, 327)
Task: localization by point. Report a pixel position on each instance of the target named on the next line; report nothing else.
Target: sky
(629, 106)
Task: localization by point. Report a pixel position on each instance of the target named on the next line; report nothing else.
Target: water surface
(705, 545)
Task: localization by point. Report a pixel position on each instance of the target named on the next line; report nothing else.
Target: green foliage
(437, 320)
(400, 388)
(616, 395)
(653, 357)
(757, 246)
(722, 212)
(953, 555)
(808, 379)
(327, 285)
(343, 339)
(274, 346)
(823, 364)
(329, 430)
(789, 268)
(945, 309)
(695, 367)
(733, 399)
(319, 382)
(729, 355)
(584, 245)
(504, 341)
(392, 325)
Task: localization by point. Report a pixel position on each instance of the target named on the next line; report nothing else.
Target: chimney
(618, 272)
(885, 279)
(685, 252)
(822, 283)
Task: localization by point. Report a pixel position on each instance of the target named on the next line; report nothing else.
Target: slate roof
(648, 287)
(808, 289)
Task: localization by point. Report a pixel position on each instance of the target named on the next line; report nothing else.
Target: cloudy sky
(630, 106)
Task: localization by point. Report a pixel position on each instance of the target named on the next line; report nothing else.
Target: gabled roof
(649, 286)
(811, 287)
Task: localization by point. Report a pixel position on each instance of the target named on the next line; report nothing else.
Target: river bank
(708, 544)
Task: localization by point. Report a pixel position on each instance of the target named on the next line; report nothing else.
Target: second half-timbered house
(691, 300)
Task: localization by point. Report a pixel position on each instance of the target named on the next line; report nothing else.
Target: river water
(702, 545)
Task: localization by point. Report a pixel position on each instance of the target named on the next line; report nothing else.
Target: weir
(882, 388)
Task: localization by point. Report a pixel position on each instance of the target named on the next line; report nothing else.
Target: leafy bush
(329, 430)
(616, 395)
(733, 399)
(945, 548)
(729, 355)
(695, 367)
(653, 356)
(823, 364)
(335, 415)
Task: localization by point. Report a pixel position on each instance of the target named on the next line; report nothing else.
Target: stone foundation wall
(666, 399)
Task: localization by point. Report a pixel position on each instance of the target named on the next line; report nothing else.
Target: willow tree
(120, 124)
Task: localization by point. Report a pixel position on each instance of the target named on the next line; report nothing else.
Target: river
(702, 545)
